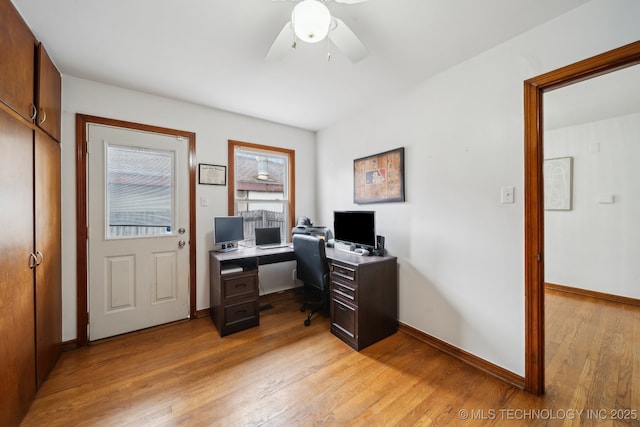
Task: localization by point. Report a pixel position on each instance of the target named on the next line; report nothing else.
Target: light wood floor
(282, 373)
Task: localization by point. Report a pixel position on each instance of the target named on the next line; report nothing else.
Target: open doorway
(534, 194)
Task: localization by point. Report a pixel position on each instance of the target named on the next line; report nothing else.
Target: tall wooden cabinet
(30, 253)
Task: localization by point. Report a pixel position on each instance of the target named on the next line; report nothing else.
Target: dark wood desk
(363, 292)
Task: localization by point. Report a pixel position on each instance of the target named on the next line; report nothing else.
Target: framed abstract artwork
(558, 183)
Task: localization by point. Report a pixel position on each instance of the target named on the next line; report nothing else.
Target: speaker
(379, 250)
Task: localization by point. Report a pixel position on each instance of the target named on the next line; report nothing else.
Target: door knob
(181, 243)
(181, 230)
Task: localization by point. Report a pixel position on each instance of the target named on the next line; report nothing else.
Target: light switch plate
(506, 195)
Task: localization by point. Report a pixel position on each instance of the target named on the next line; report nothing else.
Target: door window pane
(140, 195)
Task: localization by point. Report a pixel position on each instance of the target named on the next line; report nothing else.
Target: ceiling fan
(312, 22)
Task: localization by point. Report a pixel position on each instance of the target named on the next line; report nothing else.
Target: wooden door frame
(82, 121)
(534, 89)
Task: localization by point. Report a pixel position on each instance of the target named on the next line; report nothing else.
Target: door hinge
(539, 257)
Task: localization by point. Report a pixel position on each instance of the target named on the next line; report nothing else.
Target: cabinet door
(17, 373)
(17, 69)
(47, 242)
(49, 97)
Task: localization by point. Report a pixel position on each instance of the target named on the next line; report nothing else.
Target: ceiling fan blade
(282, 44)
(347, 41)
(350, 1)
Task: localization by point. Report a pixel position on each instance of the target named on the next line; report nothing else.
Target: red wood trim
(464, 356)
(192, 226)
(534, 242)
(205, 312)
(592, 294)
(69, 345)
(534, 88)
(82, 269)
(82, 120)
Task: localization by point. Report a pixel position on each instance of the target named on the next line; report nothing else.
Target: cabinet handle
(240, 285)
(39, 255)
(34, 113)
(33, 261)
(44, 114)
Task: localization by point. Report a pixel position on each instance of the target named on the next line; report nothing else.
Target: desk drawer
(343, 271)
(242, 312)
(345, 290)
(343, 320)
(238, 286)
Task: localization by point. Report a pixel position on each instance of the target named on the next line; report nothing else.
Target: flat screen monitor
(355, 227)
(227, 229)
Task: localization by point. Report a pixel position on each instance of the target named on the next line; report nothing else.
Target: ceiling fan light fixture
(311, 20)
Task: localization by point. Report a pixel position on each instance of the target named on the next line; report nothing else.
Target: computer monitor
(228, 230)
(355, 227)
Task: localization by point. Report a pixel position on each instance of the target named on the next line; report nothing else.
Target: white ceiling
(211, 52)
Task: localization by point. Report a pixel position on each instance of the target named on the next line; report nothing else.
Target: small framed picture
(212, 174)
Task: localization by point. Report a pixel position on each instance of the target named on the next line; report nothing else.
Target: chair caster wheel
(307, 322)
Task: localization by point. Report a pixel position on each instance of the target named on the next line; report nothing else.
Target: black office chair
(313, 270)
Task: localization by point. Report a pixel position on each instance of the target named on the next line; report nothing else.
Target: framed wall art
(557, 183)
(212, 174)
(379, 178)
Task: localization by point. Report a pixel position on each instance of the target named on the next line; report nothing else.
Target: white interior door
(138, 212)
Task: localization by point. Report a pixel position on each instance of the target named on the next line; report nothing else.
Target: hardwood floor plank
(284, 374)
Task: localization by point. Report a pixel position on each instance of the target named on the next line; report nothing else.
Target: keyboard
(273, 246)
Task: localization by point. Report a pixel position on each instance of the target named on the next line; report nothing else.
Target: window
(139, 196)
(262, 187)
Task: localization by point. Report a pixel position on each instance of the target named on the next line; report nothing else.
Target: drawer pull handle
(342, 308)
(241, 311)
(346, 295)
(344, 276)
(342, 286)
(240, 285)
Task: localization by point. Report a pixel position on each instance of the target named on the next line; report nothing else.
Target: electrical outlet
(506, 195)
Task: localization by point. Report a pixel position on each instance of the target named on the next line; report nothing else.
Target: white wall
(596, 245)
(213, 128)
(459, 249)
